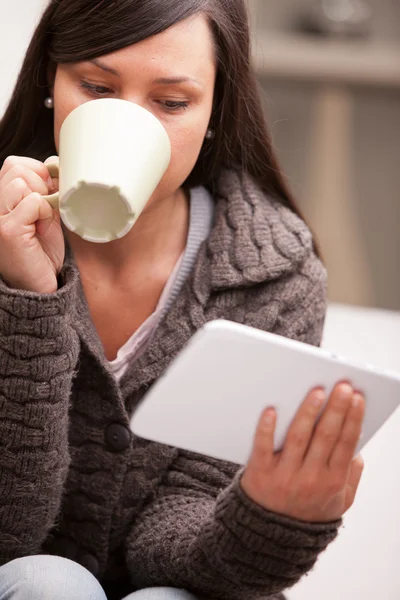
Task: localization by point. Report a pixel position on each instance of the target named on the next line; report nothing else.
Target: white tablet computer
(211, 397)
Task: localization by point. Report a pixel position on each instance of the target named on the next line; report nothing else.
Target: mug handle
(53, 199)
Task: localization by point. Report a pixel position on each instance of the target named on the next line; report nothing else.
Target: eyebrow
(97, 63)
(160, 81)
(175, 80)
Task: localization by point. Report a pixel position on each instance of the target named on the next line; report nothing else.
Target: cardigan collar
(254, 240)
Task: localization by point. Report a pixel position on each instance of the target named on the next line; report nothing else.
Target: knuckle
(36, 198)
(297, 439)
(311, 412)
(347, 441)
(10, 162)
(19, 184)
(17, 170)
(335, 484)
(262, 431)
(327, 436)
(258, 449)
(17, 163)
(7, 229)
(340, 405)
(41, 170)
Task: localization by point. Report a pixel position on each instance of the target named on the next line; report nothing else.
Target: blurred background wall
(17, 21)
(332, 102)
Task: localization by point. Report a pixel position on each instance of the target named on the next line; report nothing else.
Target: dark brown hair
(77, 30)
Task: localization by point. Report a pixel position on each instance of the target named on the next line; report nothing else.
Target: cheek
(186, 144)
(58, 120)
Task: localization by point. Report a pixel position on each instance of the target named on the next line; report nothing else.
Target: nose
(135, 99)
(139, 100)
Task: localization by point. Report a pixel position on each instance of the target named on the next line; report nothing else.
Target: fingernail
(318, 397)
(269, 416)
(50, 183)
(345, 390)
(357, 399)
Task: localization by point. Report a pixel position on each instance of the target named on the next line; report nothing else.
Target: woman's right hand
(315, 478)
(31, 239)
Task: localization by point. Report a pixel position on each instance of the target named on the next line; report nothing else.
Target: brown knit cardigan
(75, 482)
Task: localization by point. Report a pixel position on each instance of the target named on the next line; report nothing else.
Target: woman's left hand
(315, 477)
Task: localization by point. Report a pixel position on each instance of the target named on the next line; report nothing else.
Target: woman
(87, 510)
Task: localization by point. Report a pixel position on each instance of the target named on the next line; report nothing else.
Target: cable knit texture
(143, 514)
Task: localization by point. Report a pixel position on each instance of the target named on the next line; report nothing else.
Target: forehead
(187, 46)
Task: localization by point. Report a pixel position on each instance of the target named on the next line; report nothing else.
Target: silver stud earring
(210, 134)
(49, 103)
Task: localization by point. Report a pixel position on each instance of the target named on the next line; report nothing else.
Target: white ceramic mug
(113, 154)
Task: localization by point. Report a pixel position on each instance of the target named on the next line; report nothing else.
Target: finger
(346, 446)
(32, 179)
(12, 195)
(355, 473)
(301, 429)
(53, 160)
(34, 165)
(263, 448)
(329, 428)
(29, 211)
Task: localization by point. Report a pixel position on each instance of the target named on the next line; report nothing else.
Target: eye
(95, 90)
(174, 105)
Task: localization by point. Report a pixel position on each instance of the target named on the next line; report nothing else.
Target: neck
(157, 239)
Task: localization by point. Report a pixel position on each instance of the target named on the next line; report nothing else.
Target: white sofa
(364, 562)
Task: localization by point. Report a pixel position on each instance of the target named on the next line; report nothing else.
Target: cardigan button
(118, 437)
(90, 563)
(65, 547)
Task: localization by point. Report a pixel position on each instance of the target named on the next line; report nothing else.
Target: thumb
(53, 160)
(53, 166)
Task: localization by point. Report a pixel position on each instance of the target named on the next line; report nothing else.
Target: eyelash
(99, 91)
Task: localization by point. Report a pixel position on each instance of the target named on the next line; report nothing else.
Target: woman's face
(172, 75)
